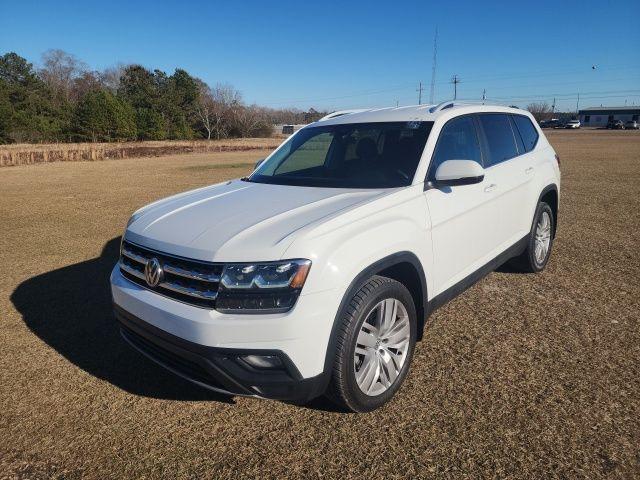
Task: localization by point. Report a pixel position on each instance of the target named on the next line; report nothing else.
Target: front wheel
(375, 343)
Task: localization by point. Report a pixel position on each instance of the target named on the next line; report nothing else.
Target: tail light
(558, 160)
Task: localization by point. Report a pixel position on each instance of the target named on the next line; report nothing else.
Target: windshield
(351, 155)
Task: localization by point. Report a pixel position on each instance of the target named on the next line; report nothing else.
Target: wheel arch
(404, 267)
(550, 196)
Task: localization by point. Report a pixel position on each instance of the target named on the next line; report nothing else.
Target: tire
(378, 365)
(531, 261)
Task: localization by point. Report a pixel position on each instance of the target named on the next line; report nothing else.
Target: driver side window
(458, 141)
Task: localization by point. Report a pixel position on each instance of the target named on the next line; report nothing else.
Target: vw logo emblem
(153, 272)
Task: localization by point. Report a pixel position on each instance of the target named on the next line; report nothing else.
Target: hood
(238, 221)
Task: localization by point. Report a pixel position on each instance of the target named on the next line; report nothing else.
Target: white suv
(314, 275)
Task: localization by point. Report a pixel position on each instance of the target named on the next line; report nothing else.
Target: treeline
(65, 101)
(543, 111)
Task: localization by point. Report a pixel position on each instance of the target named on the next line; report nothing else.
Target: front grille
(189, 281)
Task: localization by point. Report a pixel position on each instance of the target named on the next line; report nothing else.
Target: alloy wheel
(542, 238)
(382, 346)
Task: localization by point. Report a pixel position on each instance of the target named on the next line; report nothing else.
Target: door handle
(491, 188)
(528, 170)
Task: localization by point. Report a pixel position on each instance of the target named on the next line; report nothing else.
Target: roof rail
(441, 106)
(339, 113)
(454, 103)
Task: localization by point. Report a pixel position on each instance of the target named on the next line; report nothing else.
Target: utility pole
(553, 107)
(455, 80)
(578, 103)
(433, 67)
(419, 90)
(484, 95)
(397, 103)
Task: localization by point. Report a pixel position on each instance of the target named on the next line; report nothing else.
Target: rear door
(532, 162)
(508, 170)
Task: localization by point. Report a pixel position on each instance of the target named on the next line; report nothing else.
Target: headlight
(261, 287)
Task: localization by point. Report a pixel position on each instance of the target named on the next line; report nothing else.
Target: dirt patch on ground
(523, 376)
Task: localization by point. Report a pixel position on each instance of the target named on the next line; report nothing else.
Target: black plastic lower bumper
(219, 369)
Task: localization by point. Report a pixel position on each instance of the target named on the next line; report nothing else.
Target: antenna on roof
(433, 67)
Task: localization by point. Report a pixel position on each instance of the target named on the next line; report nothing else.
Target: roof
(611, 109)
(409, 113)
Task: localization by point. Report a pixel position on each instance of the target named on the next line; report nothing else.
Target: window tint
(500, 139)
(311, 154)
(350, 155)
(458, 141)
(517, 136)
(527, 131)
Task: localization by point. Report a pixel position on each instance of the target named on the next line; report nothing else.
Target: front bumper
(219, 369)
(212, 341)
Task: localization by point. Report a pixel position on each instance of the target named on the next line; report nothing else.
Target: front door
(462, 217)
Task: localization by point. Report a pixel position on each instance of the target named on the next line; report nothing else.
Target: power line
(403, 87)
(566, 94)
(509, 76)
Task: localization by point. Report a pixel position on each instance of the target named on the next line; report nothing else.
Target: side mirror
(258, 163)
(458, 172)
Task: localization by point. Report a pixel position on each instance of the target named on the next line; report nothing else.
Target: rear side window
(458, 141)
(527, 131)
(499, 135)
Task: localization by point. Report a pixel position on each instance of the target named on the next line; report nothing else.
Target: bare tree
(206, 109)
(216, 108)
(252, 121)
(59, 70)
(110, 76)
(85, 83)
(227, 95)
(540, 110)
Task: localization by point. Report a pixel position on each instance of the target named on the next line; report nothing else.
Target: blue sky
(327, 54)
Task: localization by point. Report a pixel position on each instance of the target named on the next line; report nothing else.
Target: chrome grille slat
(184, 279)
(131, 270)
(193, 275)
(192, 292)
(133, 256)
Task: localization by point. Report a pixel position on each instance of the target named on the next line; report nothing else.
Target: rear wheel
(375, 344)
(536, 255)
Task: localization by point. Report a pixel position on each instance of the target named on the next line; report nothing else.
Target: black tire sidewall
(535, 266)
(357, 398)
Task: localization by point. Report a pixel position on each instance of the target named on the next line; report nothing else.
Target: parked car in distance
(315, 274)
(615, 125)
(553, 123)
(572, 124)
(631, 125)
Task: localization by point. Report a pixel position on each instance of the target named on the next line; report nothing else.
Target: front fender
(345, 246)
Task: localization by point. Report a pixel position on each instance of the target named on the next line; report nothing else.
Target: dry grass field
(520, 377)
(29, 154)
